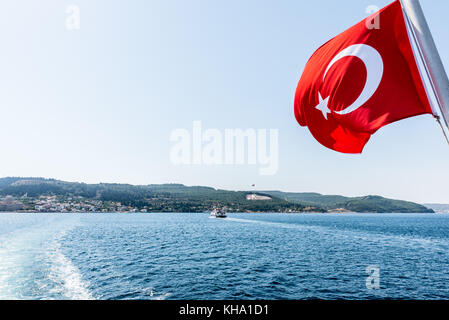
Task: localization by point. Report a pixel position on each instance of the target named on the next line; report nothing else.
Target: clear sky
(98, 104)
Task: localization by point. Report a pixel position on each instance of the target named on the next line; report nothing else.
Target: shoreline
(207, 212)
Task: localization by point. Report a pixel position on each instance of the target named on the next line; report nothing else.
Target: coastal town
(62, 204)
(77, 204)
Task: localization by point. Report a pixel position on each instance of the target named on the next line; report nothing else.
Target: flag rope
(437, 118)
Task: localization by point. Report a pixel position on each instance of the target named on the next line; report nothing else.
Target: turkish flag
(359, 81)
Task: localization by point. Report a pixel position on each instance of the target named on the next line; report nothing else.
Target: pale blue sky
(98, 104)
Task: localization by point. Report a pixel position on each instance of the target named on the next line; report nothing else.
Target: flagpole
(431, 59)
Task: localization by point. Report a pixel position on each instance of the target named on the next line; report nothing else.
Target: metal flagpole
(431, 59)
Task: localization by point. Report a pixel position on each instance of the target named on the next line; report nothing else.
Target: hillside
(356, 204)
(39, 194)
(71, 196)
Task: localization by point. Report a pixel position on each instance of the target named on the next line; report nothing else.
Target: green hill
(355, 204)
(154, 198)
(181, 198)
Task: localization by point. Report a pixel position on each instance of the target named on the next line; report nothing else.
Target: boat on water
(218, 213)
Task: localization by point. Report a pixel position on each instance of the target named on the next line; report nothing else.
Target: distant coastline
(438, 207)
(49, 195)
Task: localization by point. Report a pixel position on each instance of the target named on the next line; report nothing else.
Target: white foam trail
(65, 274)
(7, 291)
(14, 250)
(391, 239)
(268, 223)
(32, 264)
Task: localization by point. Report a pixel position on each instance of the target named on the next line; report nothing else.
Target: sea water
(245, 256)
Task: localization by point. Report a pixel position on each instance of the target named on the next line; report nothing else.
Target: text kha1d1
(241, 309)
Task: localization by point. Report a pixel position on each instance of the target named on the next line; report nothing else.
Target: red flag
(359, 81)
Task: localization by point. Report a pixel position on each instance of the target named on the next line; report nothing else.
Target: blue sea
(245, 256)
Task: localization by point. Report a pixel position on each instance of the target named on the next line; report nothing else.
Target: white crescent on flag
(374, 71)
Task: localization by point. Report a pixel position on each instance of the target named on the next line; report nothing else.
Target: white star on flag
(323, 106)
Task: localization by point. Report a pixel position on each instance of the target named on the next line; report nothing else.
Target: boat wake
(66, 276)
(399, 240)
(32, 263)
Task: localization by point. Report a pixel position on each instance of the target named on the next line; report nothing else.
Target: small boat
(218, 213)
